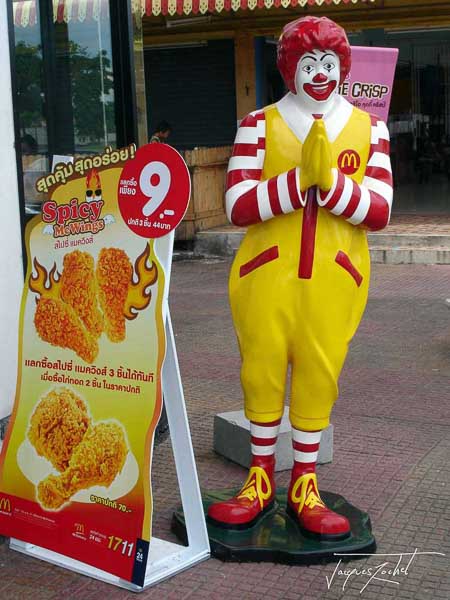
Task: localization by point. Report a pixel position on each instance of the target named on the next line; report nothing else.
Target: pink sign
(369, 84)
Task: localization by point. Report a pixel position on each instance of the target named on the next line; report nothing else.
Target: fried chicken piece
(57, 323)
(58, 424)
(113, 273)
(97, 460)
(79, 289)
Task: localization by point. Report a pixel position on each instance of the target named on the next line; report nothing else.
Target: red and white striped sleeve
(249, 200)
(368, 204)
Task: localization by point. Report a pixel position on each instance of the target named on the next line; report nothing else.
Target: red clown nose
(320, 78)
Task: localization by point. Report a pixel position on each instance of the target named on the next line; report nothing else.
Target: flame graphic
(45, 284)
(138, 295)
(93, 180)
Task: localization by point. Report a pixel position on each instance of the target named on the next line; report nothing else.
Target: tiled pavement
(419, 224)
(391, 456)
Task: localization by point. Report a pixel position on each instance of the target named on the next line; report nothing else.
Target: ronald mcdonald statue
(308, 177)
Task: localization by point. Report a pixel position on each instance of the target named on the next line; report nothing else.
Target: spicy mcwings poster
(75, 465)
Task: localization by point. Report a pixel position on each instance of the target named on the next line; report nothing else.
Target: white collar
(299, 122)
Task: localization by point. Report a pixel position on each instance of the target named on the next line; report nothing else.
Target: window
(199, 77)
(65, 93)
(30, 100)
(419, 121)
(84, 90)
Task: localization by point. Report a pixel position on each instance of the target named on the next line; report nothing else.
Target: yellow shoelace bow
(253, 486)
(309, 494)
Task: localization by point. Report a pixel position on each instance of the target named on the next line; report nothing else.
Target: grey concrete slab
(232, 440)
(400, 255)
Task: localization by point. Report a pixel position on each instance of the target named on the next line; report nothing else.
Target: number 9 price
(154, 183)
(153, 191)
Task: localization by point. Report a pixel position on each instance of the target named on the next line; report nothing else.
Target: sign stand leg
(178, 557)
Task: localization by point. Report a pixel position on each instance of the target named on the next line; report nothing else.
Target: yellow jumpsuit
(281, 318)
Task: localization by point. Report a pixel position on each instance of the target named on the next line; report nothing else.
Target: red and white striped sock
(306, 449)
(264, 438)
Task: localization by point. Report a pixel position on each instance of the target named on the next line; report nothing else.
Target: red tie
(308, 232)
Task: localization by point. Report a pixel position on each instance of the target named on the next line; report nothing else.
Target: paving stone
(391, 444)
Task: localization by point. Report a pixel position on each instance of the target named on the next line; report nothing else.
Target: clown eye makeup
(308, 68)
(328, 66)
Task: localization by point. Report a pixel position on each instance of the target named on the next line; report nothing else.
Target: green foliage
(28, 61)
(87, 94)
(92, 105)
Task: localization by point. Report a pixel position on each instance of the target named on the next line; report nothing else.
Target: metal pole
(11, 269)
(102, 85)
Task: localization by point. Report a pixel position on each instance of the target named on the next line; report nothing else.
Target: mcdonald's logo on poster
(348, 162)
(79, 528)
(5, 505)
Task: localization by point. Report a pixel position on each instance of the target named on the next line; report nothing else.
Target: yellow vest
(333, 233)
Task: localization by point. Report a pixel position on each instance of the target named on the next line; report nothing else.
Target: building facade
(91, 73)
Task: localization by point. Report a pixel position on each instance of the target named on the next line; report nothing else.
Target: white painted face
(317, 78)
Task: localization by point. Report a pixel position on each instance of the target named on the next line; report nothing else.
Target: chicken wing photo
(79, 290)
(114, 271)
(58, 324)
(57, 425)
(97, 460)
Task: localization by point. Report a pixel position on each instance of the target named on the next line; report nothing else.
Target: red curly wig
(308, 34)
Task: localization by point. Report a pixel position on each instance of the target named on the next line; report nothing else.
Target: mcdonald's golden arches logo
(348, 162)
(5, 505)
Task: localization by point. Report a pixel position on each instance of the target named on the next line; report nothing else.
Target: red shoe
(255, 499)
(306, 507)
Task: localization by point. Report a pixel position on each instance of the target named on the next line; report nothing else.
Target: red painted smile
(320, 91)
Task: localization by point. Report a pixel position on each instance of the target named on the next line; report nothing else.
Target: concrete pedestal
(277, 538)
(232, 440)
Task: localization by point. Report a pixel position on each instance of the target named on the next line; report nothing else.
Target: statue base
(277, 538)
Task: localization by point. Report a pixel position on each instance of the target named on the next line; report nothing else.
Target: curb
(389, 249)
